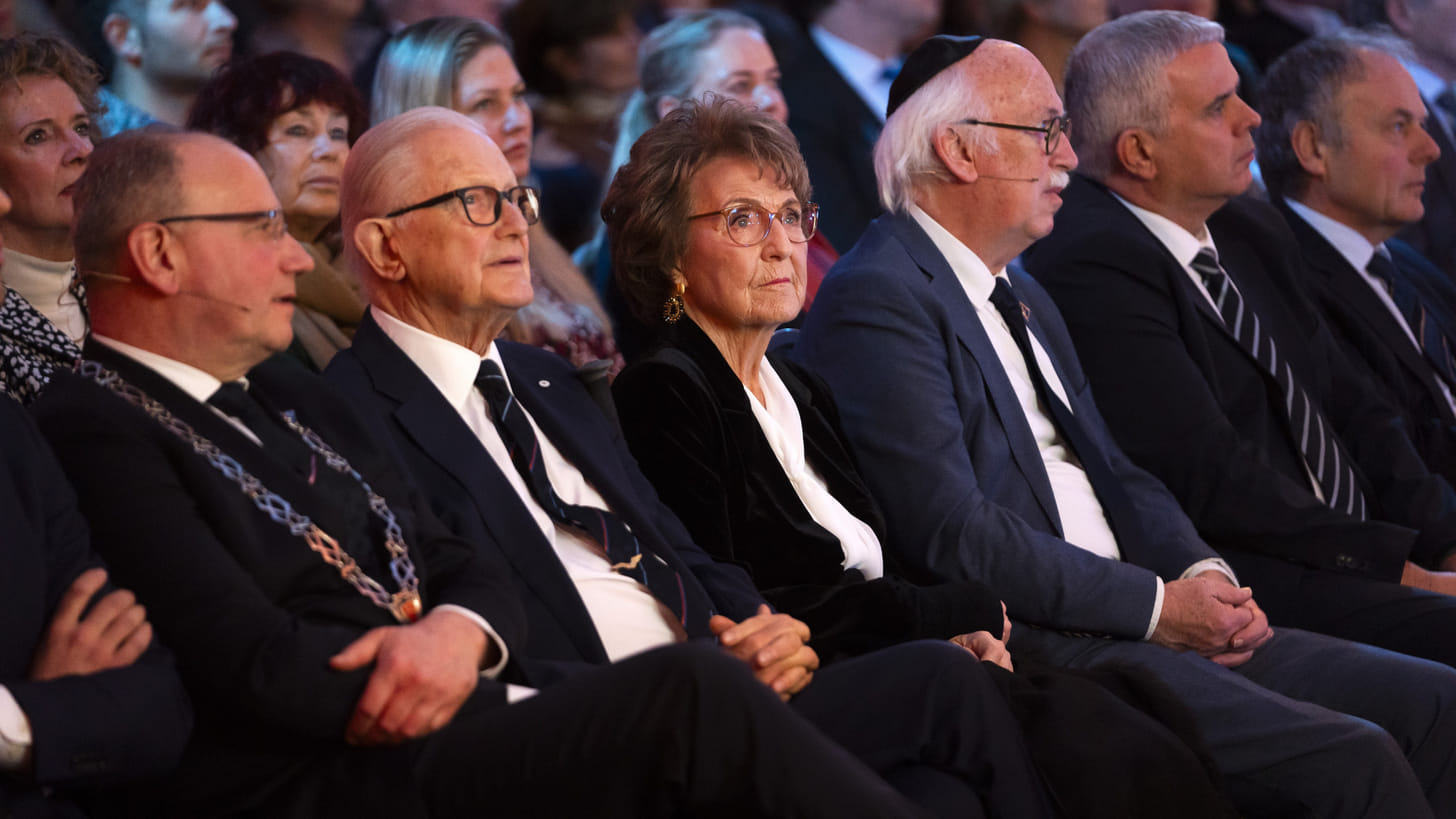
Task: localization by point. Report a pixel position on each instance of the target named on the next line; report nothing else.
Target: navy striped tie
(1433, 343)
(1323, 454)
(622, 548)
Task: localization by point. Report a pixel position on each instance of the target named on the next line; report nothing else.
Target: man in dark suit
(975, 429)
(837, 70)
(86, 697)
(346, 655)
(1344, 157)
(1216, 373)
(1430, 28)
(442, 283)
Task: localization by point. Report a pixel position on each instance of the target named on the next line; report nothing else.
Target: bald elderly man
(441, 251)
(346, 655)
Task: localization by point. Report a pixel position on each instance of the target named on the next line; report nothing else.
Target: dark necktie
(1323, 455)
(1433, 343)
(1117, 507)
(624, 551)
(233, 399)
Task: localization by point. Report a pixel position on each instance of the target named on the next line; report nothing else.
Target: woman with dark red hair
(297, 116)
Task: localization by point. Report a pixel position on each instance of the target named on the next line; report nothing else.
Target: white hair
(905, 152)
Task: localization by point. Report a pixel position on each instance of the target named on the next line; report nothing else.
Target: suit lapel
(429, 421)
(972, 336)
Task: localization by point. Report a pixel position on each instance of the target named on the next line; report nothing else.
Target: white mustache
(1060, 179)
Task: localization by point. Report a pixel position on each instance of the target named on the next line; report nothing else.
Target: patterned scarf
(31, 347)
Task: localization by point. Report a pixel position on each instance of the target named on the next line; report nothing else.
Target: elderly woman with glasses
(297, 116)
(708, 224)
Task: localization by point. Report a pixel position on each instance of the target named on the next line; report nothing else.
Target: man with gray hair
(1215, 372)
(970, 417)
(1344, 157)
(1430, 28)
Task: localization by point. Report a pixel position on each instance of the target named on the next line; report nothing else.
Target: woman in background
(47, 102)
(466, 65)
(720, 53)
(297, 116)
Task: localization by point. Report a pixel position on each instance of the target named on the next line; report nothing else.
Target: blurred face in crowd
(459, 271)
(1073, 17)
(181, 42)
(740, 65)
(490, 91)
(238, 275)
(607, 63)
(1372, 178)
(304, 160)
(728, 288)
(45, 140)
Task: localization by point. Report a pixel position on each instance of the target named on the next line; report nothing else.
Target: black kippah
(928, 59)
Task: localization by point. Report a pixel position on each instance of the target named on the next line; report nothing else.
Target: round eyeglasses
(748, 225)
(483, 203)
(1054, 129)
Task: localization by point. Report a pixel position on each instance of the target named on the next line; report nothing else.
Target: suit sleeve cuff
(1157, 609)
(15, 737)
(505, 651)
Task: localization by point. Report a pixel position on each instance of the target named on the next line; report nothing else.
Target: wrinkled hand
(1246, 640)
(1203, 614)
(985, 647)
(112, 635)
(423, 672)
(773, 645)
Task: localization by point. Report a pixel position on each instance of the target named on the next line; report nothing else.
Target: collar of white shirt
(196, 383)
(449, 366)
(975, 277)
(1356, 249)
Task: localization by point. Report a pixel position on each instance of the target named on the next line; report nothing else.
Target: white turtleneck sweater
(45, 284)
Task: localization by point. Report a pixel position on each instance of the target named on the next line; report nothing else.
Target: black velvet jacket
(689, 424)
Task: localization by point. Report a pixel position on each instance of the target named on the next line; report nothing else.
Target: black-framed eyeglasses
(276, 226)
(1054, 129)
(483, 203)
(748, 225)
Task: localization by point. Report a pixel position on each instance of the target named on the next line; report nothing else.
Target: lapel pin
(543, 383)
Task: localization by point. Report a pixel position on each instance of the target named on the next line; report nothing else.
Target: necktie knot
(1206, 265)
(1382, 268)
(233, 399)
(1003, 298)
(492, 384)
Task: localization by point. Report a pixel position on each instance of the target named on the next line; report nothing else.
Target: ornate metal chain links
(405, 605)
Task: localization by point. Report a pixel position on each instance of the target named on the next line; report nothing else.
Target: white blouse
(782, 426)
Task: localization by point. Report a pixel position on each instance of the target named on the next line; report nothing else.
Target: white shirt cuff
(1214, 563)
(15, 738)
(505, 652)
(1157, 609)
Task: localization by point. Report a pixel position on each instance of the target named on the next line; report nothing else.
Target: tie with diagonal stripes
(1323, 455)
(1433, 343)
(622, 548)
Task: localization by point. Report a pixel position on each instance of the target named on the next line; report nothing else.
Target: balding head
(437, 267)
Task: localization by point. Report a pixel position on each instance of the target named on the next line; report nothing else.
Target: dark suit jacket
(1369, 334)
(1191, 406)
(1434, 236)
(468, 491)
(251, 612)
(837, 132)
(946, 450)
(688, 421)
(88, 730)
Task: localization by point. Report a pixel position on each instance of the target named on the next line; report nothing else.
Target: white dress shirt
(15, 738)
(782, 425)
(868, 75)
(1358, 251)
(200, 386)
(627, 617)
(1083, 522)
(1185, 246)
(46, 285)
